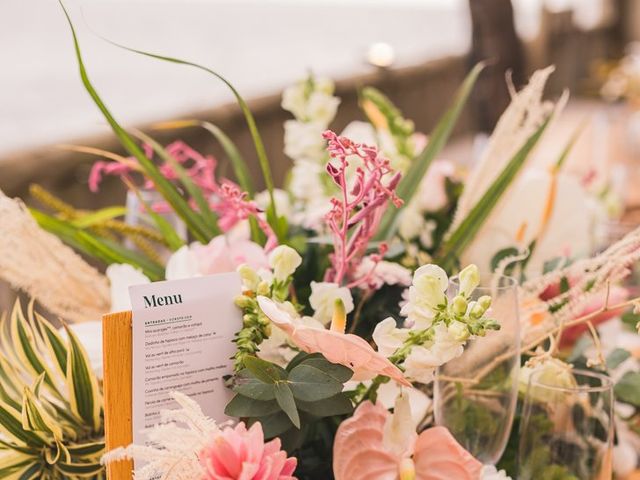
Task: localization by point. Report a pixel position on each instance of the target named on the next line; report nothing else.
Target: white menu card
(182, 341)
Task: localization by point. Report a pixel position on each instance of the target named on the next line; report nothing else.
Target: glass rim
(511, 282)
(605, 380)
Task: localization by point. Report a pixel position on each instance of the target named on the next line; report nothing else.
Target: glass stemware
(476, 394)
(566, 431)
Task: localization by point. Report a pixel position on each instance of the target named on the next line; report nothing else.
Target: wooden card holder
(118, 396)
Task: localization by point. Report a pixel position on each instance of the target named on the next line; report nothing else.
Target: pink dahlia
(240, 454)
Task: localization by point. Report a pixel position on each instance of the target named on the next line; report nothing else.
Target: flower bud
(459, 305)
(284, 260)
(485, 302)
(459, 331)
(243, 301)
(477, 311)
(262, 288)
(249, 277)
(469, 279)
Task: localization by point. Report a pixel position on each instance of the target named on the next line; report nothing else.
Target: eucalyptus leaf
(249, 386)
(627, 389)
(337, 405)
(284, 397)
(616, 357)
(310, 383)
(243, 407)
(337, 372)
(264, 371)
(274, 425)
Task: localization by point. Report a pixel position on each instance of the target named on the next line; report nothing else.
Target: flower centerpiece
(346, 309)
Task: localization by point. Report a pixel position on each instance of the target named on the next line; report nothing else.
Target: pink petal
(358, 441)
(438, 456)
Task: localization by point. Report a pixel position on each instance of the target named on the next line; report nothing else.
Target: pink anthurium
(338, 347)
(377, 445)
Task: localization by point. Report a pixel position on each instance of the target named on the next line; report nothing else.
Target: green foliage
(286, 400)
(97, 246)
(616, 357)
(51, 425)
(462, 236)
(628, 389)
(376, 105)
(196, 222)
(410, 182)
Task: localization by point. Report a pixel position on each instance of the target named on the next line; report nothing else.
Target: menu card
(182, 341)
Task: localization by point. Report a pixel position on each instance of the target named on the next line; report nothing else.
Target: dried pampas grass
(39, 264)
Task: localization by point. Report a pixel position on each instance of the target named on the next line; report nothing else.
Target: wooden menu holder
(118, 396)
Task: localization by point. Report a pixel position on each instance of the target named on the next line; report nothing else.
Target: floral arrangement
(347, 310)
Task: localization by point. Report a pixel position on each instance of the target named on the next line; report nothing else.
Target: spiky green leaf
(411, 180)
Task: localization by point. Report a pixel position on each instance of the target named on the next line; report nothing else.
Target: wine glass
(566, 429)
(475, 394)
(137, 215)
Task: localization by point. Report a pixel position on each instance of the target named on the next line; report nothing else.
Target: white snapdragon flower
(281, 197)
(311, 100)
(304, 141)
(388, 338)
(322, 107)
(284, 260)
(430, 283)
(294, 100)
(421, 363)
(323, 298)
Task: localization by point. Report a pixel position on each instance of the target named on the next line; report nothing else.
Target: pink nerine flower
(240, 454)
(345, 349)
(356, 212)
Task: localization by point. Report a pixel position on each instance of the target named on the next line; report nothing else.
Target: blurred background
(416, 51)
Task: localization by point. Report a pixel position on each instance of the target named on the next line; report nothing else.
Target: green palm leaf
(469, 227)
(411, 180)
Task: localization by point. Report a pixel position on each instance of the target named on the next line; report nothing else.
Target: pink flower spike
(356, 212)
(240, 454)
(345, 349)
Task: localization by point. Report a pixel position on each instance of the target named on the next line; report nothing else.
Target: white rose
(284, 260)
(121, 277)
(388, 338)
(323, 298)
(303, 141)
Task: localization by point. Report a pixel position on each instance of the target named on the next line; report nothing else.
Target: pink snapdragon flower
(356, 212)
(240, 454)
